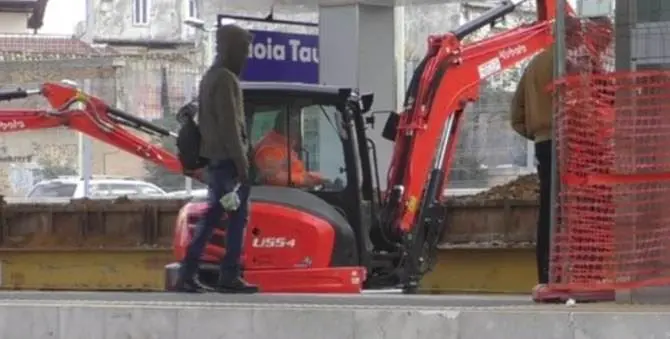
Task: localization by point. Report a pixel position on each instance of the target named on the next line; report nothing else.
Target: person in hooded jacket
(225, 145)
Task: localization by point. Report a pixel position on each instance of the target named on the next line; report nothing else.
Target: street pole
(399, 46)
(85, 152)
(189, 93)
(559, 72)
(84, 142)
(209, 49)
(208, 60)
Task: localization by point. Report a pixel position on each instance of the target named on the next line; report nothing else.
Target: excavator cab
(313, 127)
(298, 228)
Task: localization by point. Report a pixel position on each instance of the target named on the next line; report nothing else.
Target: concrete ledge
(36, 320)
(657, 295)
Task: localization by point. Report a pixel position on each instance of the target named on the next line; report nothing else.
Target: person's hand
(313, 179)
(197, 173)
(319, 182)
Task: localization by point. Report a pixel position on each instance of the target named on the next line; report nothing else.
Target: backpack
(188, 139)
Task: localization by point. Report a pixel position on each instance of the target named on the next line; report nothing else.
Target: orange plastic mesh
(614, 164)
(613, 141)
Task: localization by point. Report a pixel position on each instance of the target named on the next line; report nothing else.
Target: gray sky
(62, 15)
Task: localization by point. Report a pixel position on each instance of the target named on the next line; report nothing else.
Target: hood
(232, 48)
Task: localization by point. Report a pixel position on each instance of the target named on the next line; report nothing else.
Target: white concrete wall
(69, 319)
(14, 23)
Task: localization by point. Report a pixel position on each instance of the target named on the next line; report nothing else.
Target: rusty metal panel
(84, 270)
(482, 270)
(166, 218)
(508, 223)
(89, 224)
(149, 223)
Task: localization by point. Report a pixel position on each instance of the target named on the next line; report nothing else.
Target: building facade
(648, 24)
(159, 23)
(156, 21)
(143, 77)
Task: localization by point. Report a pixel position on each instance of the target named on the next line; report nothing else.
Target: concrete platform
(169, 316)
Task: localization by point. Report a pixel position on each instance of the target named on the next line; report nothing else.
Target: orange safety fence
(613, 139)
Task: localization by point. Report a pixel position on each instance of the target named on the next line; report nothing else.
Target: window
(140, 12)
(322, 135)
(112, 190)
(98, 190)
(53, 190)
(263, 121)
(316, 154)
(149, 190)
(192, 9)
(117, 190)
(652, 10)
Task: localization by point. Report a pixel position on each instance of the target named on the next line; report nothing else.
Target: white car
(199, 193)
(99, 187)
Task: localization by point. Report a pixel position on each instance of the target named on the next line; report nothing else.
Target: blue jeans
(221, 179)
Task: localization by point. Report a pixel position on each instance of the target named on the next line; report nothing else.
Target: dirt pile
(525, 188)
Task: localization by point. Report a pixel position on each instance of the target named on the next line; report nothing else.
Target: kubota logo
(12, 125)
(512, 52)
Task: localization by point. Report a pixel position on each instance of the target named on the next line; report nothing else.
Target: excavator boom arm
(446, 80)
(91, 116)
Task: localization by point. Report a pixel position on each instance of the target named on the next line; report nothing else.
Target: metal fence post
(400, 64)
(559, 71)
(189, 94)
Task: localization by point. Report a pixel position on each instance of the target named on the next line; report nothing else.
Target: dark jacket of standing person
(221, 117)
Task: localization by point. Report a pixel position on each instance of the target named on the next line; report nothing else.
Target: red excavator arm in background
(90, 115)
(426, 133)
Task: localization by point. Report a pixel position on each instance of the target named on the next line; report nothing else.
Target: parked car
(199, 193)
(99, 187)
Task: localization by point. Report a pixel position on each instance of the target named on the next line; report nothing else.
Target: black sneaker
(236, 285)
(189, 286)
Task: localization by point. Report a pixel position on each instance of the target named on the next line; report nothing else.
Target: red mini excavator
(346, 236)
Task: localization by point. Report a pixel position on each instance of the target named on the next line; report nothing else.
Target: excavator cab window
(297, 144)
(263, 120)
(53, 190)
(322, 136)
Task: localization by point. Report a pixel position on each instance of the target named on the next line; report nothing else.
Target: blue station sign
(282, 57)
(278, 56)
